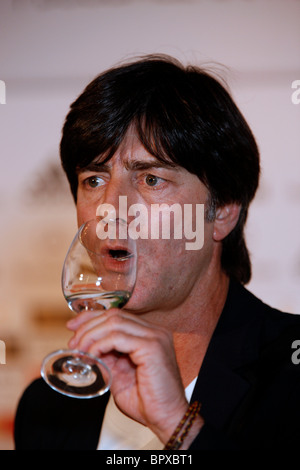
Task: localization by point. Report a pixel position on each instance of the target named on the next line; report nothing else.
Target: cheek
(163, 265)
(167, 273)
(85, 211)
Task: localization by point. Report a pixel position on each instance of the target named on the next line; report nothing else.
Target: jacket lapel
(235, 343)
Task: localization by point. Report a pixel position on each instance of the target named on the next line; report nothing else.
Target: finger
(97, 328)
(111, 320)
(127, 337)
(83, 323)
(85, 316)
(123, 343)
(153, 365)
(81, 318)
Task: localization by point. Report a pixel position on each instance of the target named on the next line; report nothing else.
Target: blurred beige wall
(49, 50)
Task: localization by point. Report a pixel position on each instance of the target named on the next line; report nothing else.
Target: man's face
(167, 272)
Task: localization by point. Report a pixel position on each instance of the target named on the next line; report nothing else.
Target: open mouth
(116, 251)
(119, 254)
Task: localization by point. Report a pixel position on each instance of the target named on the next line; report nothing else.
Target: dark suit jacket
(248, 385)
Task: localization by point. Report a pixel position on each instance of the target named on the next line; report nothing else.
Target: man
(157, 132)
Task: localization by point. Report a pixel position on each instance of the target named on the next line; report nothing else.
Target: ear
(226, 219)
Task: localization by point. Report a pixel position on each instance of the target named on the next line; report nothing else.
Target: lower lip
(121, 265)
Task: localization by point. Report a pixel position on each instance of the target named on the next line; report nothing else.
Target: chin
(138, 303)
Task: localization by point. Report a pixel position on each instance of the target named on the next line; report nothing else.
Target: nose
(114, 189)
(116, 195)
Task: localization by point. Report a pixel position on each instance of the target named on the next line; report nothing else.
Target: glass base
(76, 374)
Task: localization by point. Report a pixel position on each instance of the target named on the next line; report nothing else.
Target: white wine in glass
(98, 273)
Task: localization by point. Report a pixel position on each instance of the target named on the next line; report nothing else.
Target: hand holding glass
(98, 273)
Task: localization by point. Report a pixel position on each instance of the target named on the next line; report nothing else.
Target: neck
(194, 322)
(193, 333)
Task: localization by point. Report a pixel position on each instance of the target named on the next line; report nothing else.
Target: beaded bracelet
(181, 431)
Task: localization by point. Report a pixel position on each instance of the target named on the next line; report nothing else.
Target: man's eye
(151, 180)
(94, 181)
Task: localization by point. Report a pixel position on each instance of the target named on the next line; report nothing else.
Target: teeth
(120, 255)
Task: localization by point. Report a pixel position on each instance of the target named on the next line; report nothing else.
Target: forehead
(132, 154)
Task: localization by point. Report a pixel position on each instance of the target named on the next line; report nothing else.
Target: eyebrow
(133, 165)
(94, 166)
(146, 165)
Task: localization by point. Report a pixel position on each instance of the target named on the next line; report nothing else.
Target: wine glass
(98, 273)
